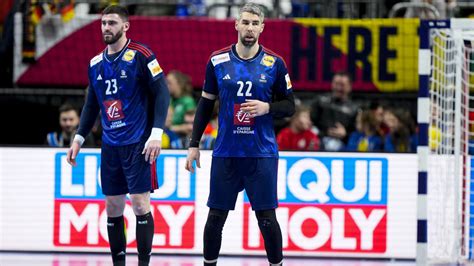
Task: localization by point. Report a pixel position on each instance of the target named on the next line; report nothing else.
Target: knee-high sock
(117, 239)
(213, 235)
(271, 233)
(145, 232)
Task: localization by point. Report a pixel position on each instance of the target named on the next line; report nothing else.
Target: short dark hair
(373, 105)
(252, 8)
(66, 108)
(117, 9)
(343, 74)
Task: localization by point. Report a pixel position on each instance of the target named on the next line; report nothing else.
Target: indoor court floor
(74, 259)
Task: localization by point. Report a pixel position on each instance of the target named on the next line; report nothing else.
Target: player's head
(114, 23)
(249, 24)
(68, 118)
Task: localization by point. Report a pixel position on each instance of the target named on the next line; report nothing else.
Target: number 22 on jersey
(248, 85)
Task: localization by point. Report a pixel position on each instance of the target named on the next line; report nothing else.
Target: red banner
(186, 44)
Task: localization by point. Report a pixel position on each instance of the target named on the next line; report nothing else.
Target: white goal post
(446, 77)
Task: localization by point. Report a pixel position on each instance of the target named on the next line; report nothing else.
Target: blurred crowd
(328, 122)
(325, 122)
(274, 8)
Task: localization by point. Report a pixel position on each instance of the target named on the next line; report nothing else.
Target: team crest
(268, 61)
(123, 74)
(129, 55)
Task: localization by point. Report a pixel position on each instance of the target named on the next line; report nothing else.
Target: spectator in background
(68, 121)
(188, 125)
(334, 114)
(445, 9)
(223, 11)
(179, 85)
(299, 136)
(378, 111)
(170, 139)
(401, 136)
(366, 137)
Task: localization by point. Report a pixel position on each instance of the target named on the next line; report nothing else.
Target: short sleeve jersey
(236, 80)
(122, 90)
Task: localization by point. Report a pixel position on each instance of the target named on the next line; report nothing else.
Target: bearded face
(249, 28)
(111, 38)
(113, 28)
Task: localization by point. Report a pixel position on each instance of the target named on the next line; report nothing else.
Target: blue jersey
(236, 80)
(122, 89)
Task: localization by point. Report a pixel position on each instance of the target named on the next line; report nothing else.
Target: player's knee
(266, 218)
(140, 204)
(114, 206)
(215, 220)
(141, 208)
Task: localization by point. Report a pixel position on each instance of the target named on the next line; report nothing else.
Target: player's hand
(152, 150)
(193, 155)
(255, 107)
(72, 153)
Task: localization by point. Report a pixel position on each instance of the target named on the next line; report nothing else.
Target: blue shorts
(124, 170)
(229, 176)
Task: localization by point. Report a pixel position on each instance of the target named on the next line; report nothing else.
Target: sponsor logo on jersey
(96, 60)
(221, 58)
(154, 68)
(263, 78)
(268, 61)
(243, 121)
(128, 55)
(288, 81)
(226, 77)
(114, 110)
(99, 77)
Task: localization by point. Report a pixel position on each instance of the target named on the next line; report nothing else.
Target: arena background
(358, 205)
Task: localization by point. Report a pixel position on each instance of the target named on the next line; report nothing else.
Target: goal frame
(423, 150)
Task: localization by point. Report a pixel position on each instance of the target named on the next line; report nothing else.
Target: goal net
(448, 167)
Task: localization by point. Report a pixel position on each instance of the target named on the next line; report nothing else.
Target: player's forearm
(89, 114)
(283, 107)
(162, 101)
(201, 119)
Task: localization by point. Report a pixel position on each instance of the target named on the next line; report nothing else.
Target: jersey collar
(120, 53)
(236, 55)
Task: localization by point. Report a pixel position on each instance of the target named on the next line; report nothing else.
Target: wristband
(79, 139)
(156, 134)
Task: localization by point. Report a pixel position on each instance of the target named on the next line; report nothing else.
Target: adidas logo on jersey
(99, 77)
(226, 77)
